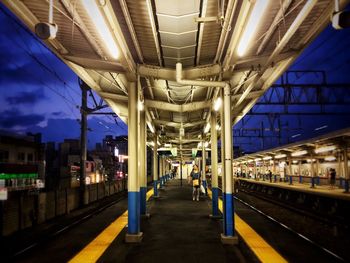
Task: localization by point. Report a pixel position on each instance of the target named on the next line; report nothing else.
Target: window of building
(4, 156)
(30, 157)
(21, 157)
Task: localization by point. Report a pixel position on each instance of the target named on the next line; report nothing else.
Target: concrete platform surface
(179, 230)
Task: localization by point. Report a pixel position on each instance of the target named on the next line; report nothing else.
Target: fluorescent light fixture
(325, 149)
(217, 104)
(299, 153)
(158, 143)
(295, 161)
(321, 128)
(103, 30)
(218, 127)
(150, 126)
(251, 160)
(257, 159)
(296, 135)
(280, 156)
(206, 144)
(167, 145)
(309, 160)
(267, 158)
(253, 22)
(141, 106)
(151, 144)
(207, 127)
(330, 158)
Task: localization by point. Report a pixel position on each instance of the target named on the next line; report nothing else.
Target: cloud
(25, 97)
(13, 117)
(64, 128)
(57, 113)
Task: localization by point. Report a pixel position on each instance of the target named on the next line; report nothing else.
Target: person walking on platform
(195, 175)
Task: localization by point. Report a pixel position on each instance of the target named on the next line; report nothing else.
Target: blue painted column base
(346, 185)
(228, 215)
(300, 179)
(161, 182)
(155, 188)
(143, 192)
(312, 182)
(290, 179)
(228, 237)
(133, 213)
(215, 202)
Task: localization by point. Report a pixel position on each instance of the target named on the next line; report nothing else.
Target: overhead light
(280, 156)
(251, 160)
(267, 158)
(321, 128)
(103, 30)
(140, 106)
(299, 153)
(158, 143)
(295, 161)
(257, 159)
(309, 160)
(253, 22)
(207, 127)
(217, 104)
(167, 145)
(330, 158)
(150, 126)
(325, 149)
(206, 144)
(218, 127)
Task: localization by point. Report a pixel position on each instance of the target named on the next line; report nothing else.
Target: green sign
(173, 152)
(194, 152)
(18, 176)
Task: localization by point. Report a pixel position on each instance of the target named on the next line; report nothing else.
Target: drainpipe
(202, 83)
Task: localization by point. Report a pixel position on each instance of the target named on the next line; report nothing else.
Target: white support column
(312, 172)
(228, 235)
(222, 138)
(346, 169)
(155, 166)
(142, 162)
(133, 233)
(214, 165)
(204, 179)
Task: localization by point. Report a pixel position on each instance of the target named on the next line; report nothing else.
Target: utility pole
(83, 138)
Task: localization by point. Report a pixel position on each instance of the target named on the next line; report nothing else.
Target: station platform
(321, 190)
(178, 230)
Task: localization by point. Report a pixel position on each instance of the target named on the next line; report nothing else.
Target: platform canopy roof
(142, 40)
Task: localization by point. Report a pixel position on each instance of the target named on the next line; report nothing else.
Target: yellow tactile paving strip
(263, 251)
(94, 250)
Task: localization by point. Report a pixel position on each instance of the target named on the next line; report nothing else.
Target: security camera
(46, 30)
(341, 20)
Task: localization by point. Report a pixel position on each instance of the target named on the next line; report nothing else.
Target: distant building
(21, 160)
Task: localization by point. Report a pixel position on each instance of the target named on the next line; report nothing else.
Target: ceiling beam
(178, 124)
(193, 106)
(97, 64)
(170, 74)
